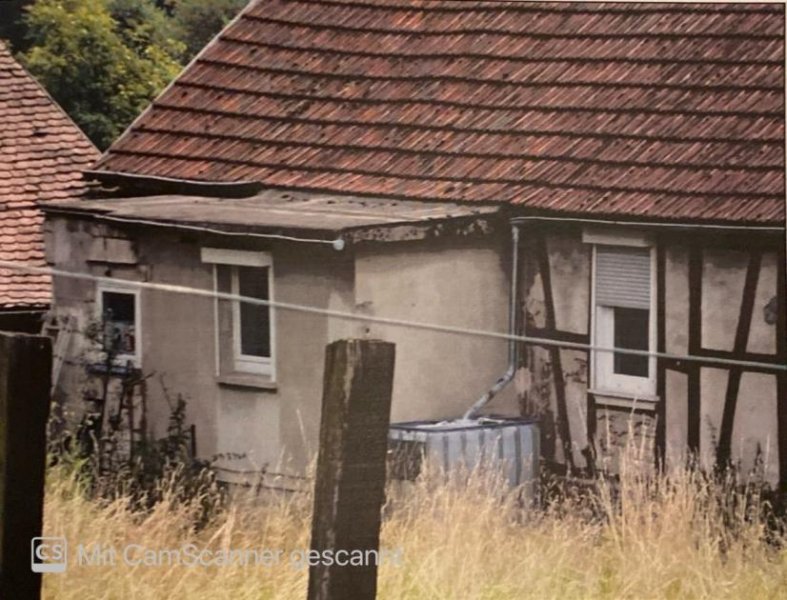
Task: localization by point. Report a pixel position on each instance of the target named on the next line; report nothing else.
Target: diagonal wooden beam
(554, 352)
(724, 450)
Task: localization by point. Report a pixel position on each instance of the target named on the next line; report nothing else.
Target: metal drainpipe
(506, 377)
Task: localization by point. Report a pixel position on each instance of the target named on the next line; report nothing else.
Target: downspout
(506, 377)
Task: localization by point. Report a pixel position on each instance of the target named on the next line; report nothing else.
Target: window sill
(248, 380)
(621, 400)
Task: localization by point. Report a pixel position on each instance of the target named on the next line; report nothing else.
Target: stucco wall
(457, 282)
(460, 283)
(179, 344)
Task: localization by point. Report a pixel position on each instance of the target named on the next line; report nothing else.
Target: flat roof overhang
(292, 215)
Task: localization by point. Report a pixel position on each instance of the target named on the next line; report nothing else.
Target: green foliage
(142, 23)
(105, 60)
(197, 21)
(102, 60)
(166, 468)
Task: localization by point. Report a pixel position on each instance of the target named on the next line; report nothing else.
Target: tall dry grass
(679, 535)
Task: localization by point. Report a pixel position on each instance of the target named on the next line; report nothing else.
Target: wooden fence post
(350, 484)
(25, 373)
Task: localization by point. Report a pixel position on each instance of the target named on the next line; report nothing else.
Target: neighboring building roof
(42, 155)
(665, 111)
(317, 217)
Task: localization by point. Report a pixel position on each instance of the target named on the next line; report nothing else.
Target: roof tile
(42, 153)
(663, 111)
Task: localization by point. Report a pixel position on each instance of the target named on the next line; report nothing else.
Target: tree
(102, 60)
(197, 21)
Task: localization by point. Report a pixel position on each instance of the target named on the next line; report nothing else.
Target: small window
(118, 313)
(244, 331)
(623, 319)
(251, 323)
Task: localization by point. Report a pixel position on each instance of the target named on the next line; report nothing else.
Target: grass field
(675, 536)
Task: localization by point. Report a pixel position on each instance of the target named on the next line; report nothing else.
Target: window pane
(119, 321)
(631, 331)
(254, 320)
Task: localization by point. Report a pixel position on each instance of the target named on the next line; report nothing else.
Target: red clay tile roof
(628, 110)
(42, 154)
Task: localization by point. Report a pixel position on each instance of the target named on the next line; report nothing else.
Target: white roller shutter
(623, 276)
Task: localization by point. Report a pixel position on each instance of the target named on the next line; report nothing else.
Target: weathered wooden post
(350, 485)
(25, 372)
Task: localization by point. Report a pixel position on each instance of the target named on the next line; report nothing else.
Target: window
(631, 331)
(251, 323)
(118, 313)
(623, 315)
(244, 331)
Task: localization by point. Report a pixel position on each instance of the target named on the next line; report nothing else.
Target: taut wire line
(351, 316)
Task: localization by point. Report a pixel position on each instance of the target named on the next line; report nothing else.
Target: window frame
(602, 327)
(242, 364)
(123, 288)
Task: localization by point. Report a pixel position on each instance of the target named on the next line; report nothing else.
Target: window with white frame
(118, 314)
(251, 323)
(244, 330)
(624, 318)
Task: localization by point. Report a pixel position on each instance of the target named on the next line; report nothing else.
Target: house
(620, 167)
(42, 155)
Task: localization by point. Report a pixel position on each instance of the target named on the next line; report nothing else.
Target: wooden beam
(557, 335)
(766, 359)
(350, 486)
(591, 454)
(25, 371)
(563, 424)
(724, 448)
(661, 346)
(781, 378)
(781, 415)
(695, 342)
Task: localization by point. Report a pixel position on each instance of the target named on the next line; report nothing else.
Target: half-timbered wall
(716, 297)
(552, 382)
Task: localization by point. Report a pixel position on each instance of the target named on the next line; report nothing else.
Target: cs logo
(48, 555)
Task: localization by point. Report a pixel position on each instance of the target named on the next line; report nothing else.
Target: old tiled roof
(42, 154)
(636, 110)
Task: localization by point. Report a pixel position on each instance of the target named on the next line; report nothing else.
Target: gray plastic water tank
(510, 444)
